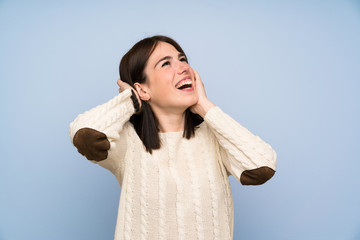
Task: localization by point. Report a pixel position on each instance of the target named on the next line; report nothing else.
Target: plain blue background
(289, 71)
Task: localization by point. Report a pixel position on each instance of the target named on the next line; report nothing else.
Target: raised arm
(98, 131)
(247, 157)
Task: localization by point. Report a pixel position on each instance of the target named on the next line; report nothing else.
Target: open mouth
(185, 84)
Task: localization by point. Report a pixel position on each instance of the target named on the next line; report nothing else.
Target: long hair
(131, 69)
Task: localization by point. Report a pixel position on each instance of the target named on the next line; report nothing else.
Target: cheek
(163, 80)
(160, 87)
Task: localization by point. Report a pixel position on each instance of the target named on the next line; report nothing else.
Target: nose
(183, 67)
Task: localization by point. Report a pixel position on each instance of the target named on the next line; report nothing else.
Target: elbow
(256, 176)
(92, 144)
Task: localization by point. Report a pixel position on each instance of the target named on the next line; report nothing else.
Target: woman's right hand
(124, 85)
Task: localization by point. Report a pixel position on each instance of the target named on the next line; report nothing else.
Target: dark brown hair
(131, 69)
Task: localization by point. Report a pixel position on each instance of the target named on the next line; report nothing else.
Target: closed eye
(183, 59)
(165, 64)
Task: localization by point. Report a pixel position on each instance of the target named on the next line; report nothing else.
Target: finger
(122, 85)
(197, 76)
(119, 82)
(199, 84)
(193, 72)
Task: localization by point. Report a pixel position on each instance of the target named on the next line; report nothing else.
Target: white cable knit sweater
(182, 190)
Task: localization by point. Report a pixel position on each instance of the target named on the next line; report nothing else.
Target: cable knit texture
(182, 190)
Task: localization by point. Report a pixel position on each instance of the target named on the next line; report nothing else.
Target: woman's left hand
(203, 104)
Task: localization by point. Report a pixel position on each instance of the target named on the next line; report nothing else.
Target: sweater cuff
(212, 113)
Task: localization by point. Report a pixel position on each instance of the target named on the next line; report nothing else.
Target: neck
(170, 121)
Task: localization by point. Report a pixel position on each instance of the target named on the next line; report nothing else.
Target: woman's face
(169, 79)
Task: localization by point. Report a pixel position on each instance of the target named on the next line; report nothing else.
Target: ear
(142, 91)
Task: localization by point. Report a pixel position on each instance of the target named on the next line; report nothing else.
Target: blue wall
(287, 70)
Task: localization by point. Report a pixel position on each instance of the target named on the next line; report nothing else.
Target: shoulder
(131, 136)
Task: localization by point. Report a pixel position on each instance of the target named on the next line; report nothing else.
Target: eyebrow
(169, 58)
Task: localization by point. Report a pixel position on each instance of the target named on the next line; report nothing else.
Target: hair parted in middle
(132, 70)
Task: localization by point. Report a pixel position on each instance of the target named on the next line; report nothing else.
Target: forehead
(163, 49)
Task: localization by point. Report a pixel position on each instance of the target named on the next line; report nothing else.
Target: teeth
(182, 83)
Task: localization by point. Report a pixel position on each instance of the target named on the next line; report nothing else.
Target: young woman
(171, 149)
